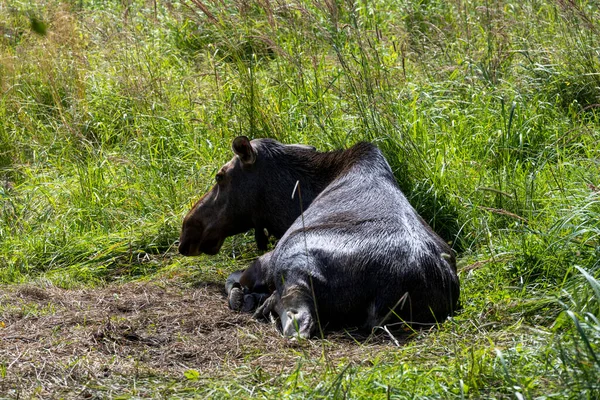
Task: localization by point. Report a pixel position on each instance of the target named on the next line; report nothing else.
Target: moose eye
(219, 178)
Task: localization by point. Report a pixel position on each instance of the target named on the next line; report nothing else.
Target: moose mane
(321, 168)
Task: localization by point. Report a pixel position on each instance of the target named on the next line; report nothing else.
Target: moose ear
(242, 147)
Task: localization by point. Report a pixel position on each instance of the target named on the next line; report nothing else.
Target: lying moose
(352, 251)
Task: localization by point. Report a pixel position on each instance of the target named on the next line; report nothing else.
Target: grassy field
(115, 117)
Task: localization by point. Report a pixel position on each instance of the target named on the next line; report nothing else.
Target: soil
(54, 340)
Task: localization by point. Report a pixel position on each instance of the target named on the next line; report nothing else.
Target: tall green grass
(116, 116)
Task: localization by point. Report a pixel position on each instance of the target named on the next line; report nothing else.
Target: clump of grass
(577, 83)
(578, 338)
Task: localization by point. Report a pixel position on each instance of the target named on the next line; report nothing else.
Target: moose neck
(304, 174)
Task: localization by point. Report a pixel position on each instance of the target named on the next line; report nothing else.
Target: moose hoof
(249, 303)
(236, 299)
(297, 324)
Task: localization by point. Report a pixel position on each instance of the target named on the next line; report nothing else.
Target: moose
(352, 251)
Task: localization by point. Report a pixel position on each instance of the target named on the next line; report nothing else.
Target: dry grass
(71, 341)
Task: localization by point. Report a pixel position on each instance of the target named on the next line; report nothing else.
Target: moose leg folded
(235, 294)
(241, 298)
(295, 311)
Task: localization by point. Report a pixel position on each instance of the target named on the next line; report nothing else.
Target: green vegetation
(115, 116)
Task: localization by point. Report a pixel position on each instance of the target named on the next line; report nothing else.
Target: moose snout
(191, 236)
(184, 248)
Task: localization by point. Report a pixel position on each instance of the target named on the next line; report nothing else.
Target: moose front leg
(234, 291)
(248, 289)
(262, 238)
(241, 298)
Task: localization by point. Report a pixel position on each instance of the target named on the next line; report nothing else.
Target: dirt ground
(64, 341)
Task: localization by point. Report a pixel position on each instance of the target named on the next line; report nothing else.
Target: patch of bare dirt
(64, 341)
